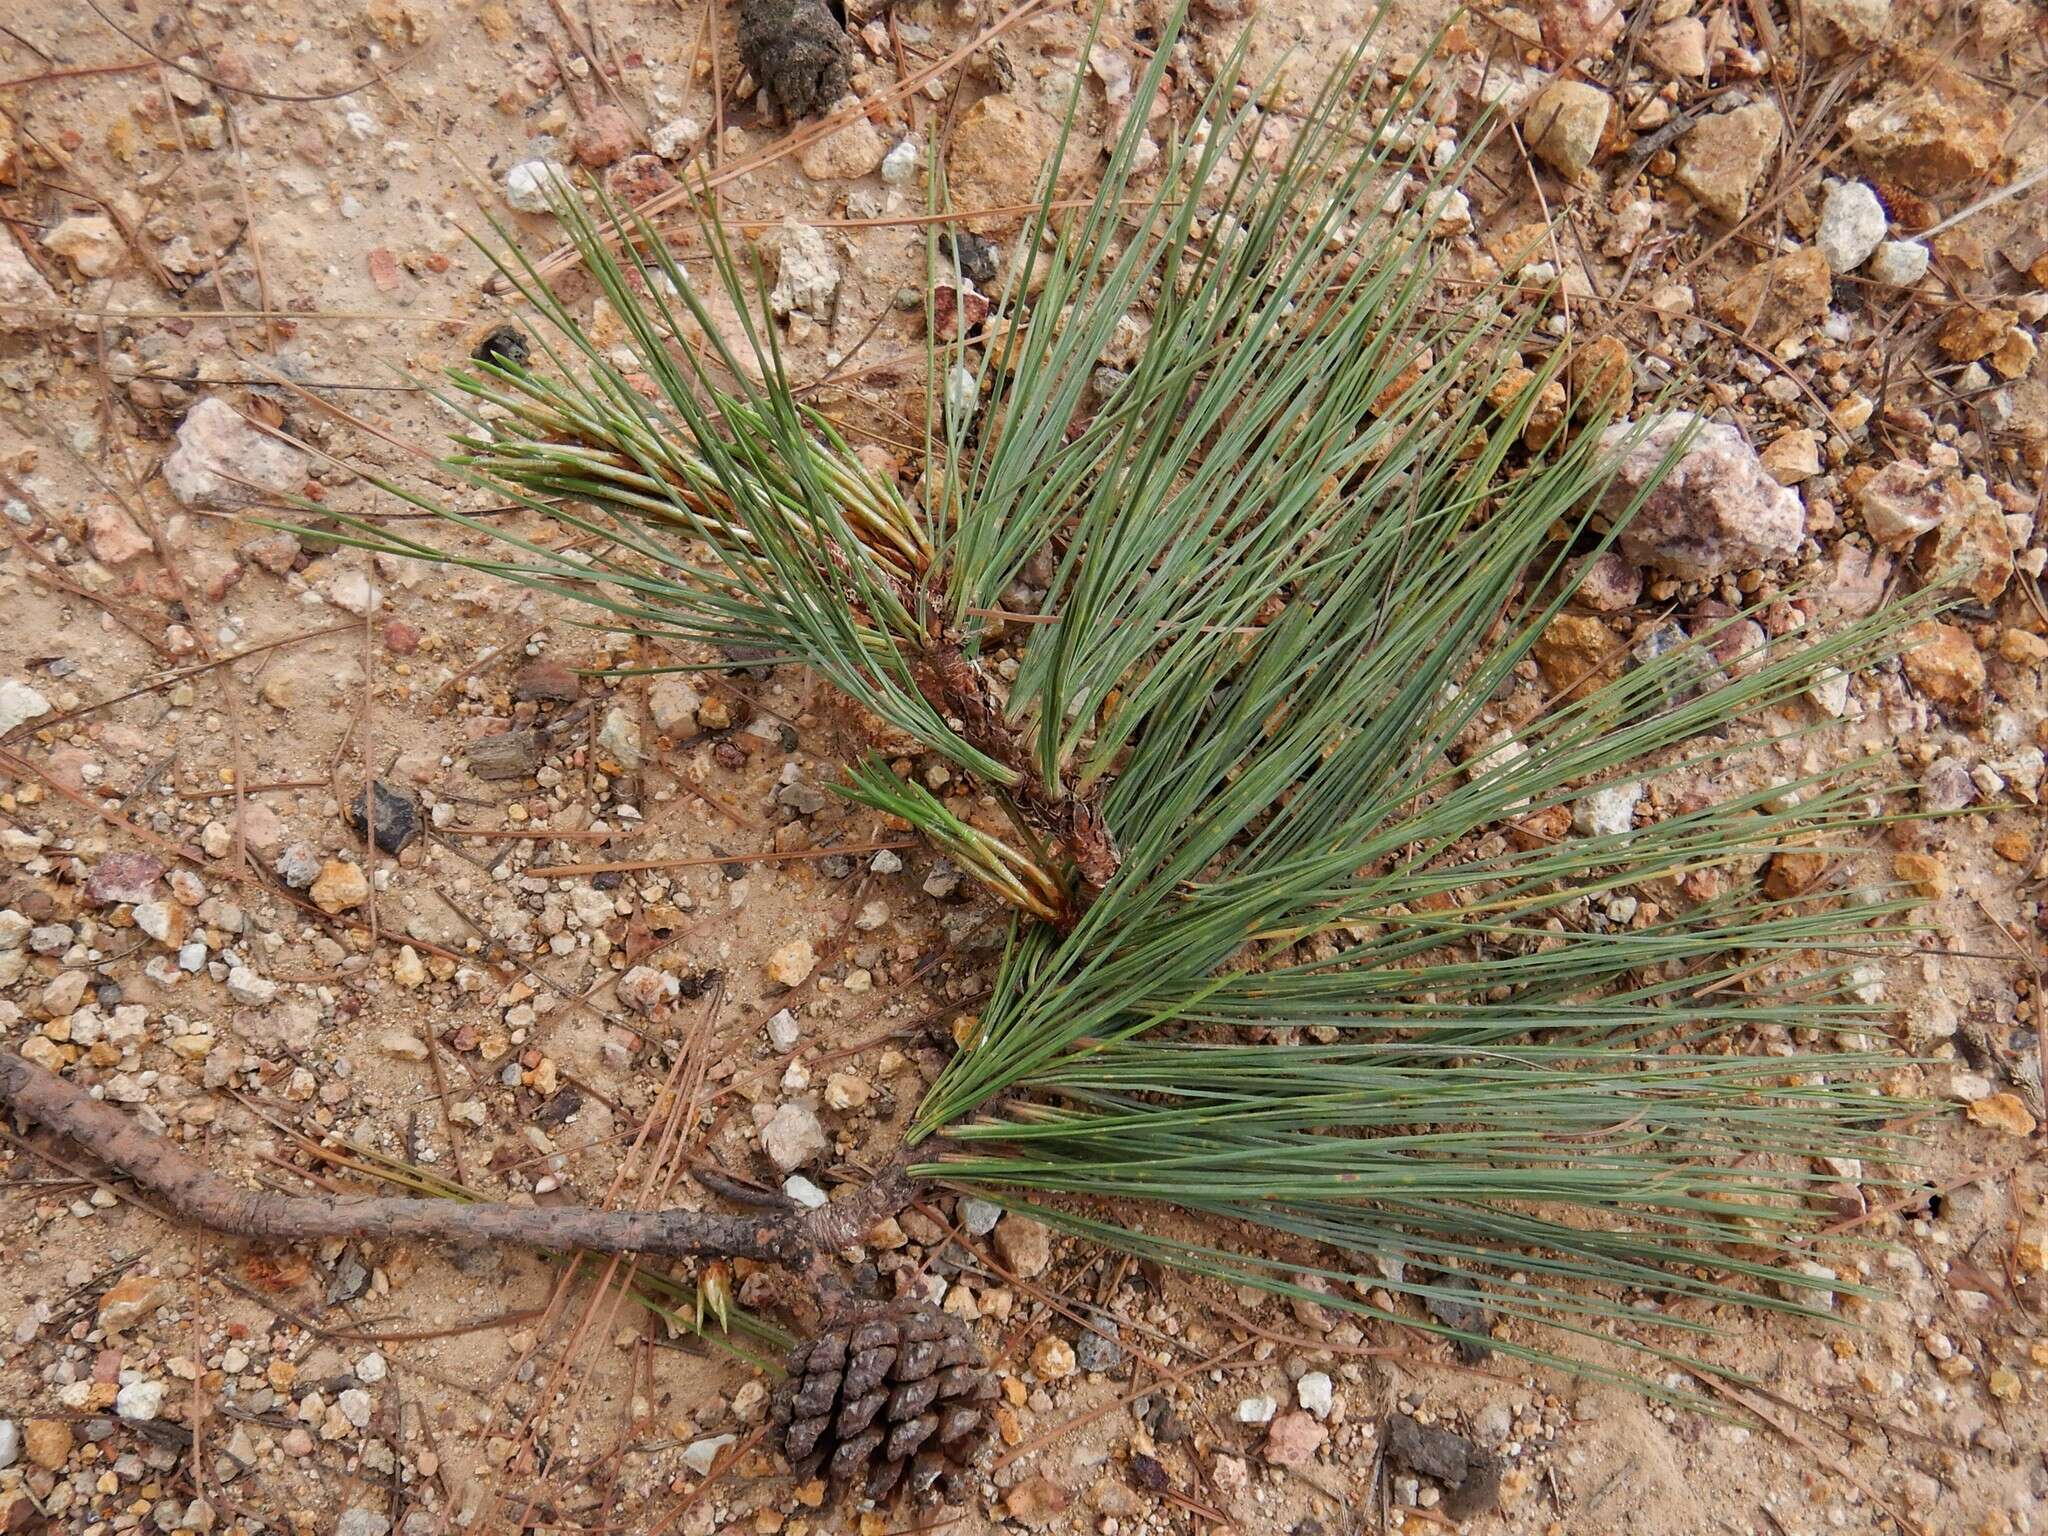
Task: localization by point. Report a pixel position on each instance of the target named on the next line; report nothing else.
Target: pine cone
(885, 1388)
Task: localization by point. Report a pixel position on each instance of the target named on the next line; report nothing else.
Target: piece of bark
(507, 755)
(194, 1193)
(798, 49)
(1470, 1477)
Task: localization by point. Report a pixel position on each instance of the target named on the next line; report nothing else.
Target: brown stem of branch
(796, 1239)
(956, 686)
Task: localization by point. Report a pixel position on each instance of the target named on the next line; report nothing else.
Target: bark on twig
(956, 686)
(794, 1239)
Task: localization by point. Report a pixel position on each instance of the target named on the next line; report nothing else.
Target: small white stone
(676, 139)
(793, 1137)
(351, 591)
(140, 1401)
(372, 1368)
(1900, 263)
(1608, 811)
(1807, 1295)
(222, 461)
(528, 183)
(806, 269)
(1830, 692)
(155, 919)
(803, 1192)
(402, 1045)
(901, 163)
(1865, 983)
(699, 1455)
(245, 986)
(1852, 223)
(673, 704)
(783, 1030)
(1315, 1393)
(19, 704)
(1257, 1410)
(620, 736)
(962, 394)
(408, 970)
(1447, 212)
(1969, 1087)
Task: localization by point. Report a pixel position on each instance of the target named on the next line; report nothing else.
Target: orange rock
(1035, 1502)
(1793, 456)
(1722, 158)
(133, 1299)
(1577, 653)
(1792, 872)
(1924, 873)
(1600, 375)
(2013, 845)
(1405, 380)
(1931, 127)
(1973, 541)
(48, 1443)
(1942, 662)
(604, 137)
(2021, 648)
(2003, 1112)
(1971, 333)
(1779, 298)
(2013, 358)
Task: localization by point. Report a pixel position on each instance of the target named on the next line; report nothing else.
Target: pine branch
(1300, 949)
(798, 1240)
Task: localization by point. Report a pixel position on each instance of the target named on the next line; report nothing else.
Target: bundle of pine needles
(1308, 985)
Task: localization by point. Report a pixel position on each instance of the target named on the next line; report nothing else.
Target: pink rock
(1856, 581)
(1739, 647)
(645, 989)
(1609, 584)
(604, 136)
(213, 572)
(956, 311)
(637, 178)
(1716, 510)
(1582, 29)
(223, 461)
(1901, 502)
(124, 877)
(114, 537)
(400, 638)
(275, 552)
(68, 764)
(23, 291)
(262, 829)
(1294, 1440)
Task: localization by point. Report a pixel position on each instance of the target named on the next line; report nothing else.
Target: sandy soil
(289, 188)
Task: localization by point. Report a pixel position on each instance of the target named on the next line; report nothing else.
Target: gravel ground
(1830, 218)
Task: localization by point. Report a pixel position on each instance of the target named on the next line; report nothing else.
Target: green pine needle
(1301, 966)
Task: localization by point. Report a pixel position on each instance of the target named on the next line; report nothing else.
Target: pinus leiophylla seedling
(1310, 984)
(1298, 945)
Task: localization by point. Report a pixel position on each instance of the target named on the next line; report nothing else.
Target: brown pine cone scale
(891, 1391)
